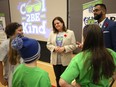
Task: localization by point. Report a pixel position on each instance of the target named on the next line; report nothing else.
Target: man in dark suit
(108, 26)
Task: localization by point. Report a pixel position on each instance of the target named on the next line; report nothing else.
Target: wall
(45, 53)
(4, 8)
(75, 15)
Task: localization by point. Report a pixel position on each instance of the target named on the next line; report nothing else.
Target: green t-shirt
(30, 77)
(82, 72)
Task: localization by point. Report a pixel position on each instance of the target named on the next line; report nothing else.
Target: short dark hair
(11, 28)
(103, 6)
(61, 20)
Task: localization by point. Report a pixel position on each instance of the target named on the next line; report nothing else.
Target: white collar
(101, 23)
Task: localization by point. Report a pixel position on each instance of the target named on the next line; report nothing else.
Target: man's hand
(79, 45)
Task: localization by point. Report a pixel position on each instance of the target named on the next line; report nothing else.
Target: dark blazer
(109, 32)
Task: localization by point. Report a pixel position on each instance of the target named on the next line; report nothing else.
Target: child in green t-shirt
(28, 74)
(94, 65)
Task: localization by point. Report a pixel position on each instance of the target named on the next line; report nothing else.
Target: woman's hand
(59, 49)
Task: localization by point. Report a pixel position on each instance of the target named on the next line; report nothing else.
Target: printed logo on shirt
(59, 40)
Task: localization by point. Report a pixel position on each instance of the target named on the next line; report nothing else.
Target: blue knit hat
(29, 49)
